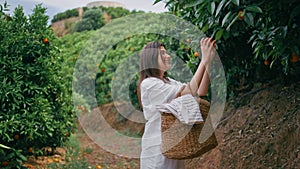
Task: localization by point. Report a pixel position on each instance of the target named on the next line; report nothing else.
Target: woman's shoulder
(150, 81)
(173, 81)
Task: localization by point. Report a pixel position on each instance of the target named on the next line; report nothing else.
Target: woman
(155, 88)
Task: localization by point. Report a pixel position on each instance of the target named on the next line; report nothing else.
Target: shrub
(91, 20)
(36, 107)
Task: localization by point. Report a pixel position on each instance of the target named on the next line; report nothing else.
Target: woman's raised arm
(200, 81)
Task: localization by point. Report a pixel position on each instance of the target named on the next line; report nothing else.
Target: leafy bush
(36, 107)
(91, 20)
(252, 36)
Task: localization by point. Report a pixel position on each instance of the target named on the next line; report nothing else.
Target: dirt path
(97, 156)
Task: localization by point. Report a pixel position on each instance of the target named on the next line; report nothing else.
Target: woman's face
(164, 60)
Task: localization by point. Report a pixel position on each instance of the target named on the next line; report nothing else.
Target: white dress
(156, 92)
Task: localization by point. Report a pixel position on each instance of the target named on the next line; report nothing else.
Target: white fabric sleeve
(185, 109)
(155, 92)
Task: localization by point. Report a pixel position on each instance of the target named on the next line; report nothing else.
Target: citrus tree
(257, 40)
(36, 107)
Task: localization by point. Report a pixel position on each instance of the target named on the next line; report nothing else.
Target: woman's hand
(208, 50)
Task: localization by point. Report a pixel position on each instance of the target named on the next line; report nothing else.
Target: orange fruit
(45, 40)
(102, 69)
(29, 166)
(16, 136)
(55, 159)
(295, 58)
(131, 49)
(196, 54)
(49, 161)
(240, 15)
(266, 62)
(5, 163)
(30, 149)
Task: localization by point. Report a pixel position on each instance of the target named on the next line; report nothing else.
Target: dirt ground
(259, 129)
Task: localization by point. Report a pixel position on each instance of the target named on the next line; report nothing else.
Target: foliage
(35, 104)
(252, 36)
(115, 12)
(91, 20)
(15, 157)
(70, 47)
(112, 53)
(64, 15)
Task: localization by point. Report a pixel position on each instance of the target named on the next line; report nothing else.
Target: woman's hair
(149, 64)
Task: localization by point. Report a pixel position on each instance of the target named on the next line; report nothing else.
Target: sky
(57, 6)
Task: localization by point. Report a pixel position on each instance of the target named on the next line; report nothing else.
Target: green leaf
(220, 7)
(156, 1)
(225, 18)
(249, 19)
(254, 8)
(20, 155)
(169, 2)
(205, 28)
(232, 22)
(284, 31)
(219, 34)
(193, 3)
(236, 2)
(212, 7)
(272, 63)
(3, 146)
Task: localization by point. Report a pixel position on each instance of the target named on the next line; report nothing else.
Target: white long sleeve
(185, 109)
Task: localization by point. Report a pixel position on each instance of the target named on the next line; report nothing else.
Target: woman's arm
(204, 84)
(200, 81)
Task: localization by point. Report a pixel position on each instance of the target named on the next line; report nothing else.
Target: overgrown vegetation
(257, 40)
(93, 18)
(64, 15)
(36, 108)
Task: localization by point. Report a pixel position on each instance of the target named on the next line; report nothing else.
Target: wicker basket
(181, 141)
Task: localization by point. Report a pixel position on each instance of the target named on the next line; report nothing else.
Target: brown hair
(149, 65)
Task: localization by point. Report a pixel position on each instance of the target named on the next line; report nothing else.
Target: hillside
(64, 26)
